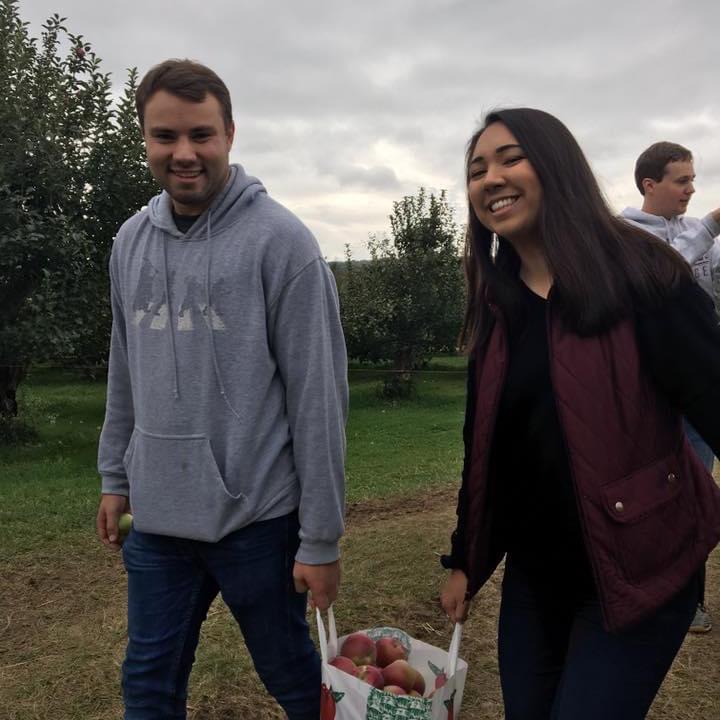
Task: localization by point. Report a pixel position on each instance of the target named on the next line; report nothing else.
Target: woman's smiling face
(504, 190)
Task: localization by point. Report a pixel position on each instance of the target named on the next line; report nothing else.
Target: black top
(536, 513)
(184, 222)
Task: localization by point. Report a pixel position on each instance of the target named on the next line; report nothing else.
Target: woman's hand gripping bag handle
(345, 697)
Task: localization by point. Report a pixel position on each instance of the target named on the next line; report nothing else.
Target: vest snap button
(619, 506)
(671, 478)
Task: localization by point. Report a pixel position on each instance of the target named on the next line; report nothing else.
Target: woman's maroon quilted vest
(649, 509)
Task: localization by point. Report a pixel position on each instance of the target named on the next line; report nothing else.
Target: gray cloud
(343, 107)
(350, 175)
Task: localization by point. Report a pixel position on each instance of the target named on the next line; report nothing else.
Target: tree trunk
(404, 361)
(399, 383)
(10, 377)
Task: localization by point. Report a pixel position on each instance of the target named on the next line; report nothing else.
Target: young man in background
(665, 177)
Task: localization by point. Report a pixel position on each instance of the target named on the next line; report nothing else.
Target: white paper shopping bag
(345, 697)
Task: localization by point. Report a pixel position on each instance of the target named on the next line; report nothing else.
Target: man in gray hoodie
(226, 406)
(665, 176)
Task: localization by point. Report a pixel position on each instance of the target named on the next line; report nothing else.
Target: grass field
(49, 488)
(62, 596)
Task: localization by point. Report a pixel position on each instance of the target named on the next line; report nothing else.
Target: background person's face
(503, 188)
(671, 195)
(188, 148)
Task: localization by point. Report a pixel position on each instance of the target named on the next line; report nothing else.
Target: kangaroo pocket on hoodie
(176, 488)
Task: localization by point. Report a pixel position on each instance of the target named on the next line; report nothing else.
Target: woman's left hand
(452, 597)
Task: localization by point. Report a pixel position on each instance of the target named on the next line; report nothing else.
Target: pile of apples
(381, 663)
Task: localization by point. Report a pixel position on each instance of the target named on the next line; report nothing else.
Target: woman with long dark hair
(588, 340)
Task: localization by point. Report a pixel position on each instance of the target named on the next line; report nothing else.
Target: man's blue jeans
(171, 584)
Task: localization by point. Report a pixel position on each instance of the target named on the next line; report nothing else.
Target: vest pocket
(176, 488)
(653, 519)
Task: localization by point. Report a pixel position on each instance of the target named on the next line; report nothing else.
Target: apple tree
(71, 169)
(118, 184)
(406, 304)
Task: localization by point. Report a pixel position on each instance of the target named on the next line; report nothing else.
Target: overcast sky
(343, 107)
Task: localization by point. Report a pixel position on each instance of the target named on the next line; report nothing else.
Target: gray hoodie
(694, 239)
(227, 404)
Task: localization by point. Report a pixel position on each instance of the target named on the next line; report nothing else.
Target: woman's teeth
(504, 202)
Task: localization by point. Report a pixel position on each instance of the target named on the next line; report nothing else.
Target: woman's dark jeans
(171, 583)
(558, 663)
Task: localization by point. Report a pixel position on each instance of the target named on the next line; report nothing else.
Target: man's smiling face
(188, 149)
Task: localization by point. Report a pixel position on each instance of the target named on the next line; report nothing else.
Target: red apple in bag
(371, 675)
(419, 684)
(400, 673)
(394, 689)
(360, 648)
(388, 650)
(344, 664)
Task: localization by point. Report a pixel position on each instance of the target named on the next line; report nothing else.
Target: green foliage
(118, 184)
(71, 169)
(406, 303)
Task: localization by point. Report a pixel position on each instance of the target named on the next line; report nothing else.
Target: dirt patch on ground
(62, 625)
(362, 513)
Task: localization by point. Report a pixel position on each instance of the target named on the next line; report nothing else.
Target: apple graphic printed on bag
(439, 673)
(328, 700)
(449, 704)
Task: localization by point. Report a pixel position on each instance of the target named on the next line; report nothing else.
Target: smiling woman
(560, 227)
(503, 188)
(575, 458)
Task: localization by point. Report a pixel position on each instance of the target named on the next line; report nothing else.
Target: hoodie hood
(643, 218)
(239, 191)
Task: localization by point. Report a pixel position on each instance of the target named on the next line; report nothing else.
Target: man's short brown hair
(186, 79)
(653, 161)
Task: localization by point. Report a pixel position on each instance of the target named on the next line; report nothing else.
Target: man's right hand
(109, 512)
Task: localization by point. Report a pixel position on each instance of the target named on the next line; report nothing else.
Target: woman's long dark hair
(602, 267)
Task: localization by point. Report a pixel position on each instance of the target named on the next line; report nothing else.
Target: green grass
(398, 446)
(49, 488)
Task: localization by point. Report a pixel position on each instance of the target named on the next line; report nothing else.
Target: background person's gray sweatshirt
(227, 404)
(695, 239)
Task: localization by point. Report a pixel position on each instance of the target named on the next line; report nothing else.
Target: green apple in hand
(124, 524)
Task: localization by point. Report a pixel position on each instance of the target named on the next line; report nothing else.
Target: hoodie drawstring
(208, 307)
(170, 323)
(208, 310)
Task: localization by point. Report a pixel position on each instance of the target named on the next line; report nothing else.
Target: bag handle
(454, 650)
(328, 645)
(329, 641)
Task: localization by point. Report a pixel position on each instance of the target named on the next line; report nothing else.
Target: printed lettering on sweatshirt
(150, 307)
